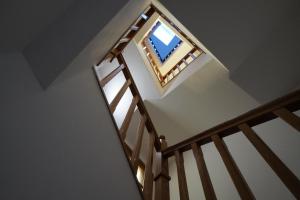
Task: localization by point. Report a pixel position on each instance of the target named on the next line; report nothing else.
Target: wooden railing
(133, 155)
(129, 34)
(282, 108)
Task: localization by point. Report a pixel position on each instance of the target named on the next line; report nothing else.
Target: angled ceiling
(22, 21)
(256, 40)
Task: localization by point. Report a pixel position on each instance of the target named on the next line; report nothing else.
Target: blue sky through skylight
(164, 41)
(164, 34)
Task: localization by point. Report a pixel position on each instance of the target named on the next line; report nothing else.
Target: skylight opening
(164, 34)
(163, 40)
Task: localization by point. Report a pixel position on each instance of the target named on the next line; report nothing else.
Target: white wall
(206, 99)
(58, 143)
(144, 80)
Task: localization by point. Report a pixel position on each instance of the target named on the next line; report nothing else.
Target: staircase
(156, 179)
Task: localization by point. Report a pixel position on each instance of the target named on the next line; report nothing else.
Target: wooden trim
(183, 190)
(126, 122)
(141, 106)
(235, 174)
(113, 105)
(254, 117)
(148, 182)
(138, 144)
(111, 75)
(283, 172)
(203, 172)
(288, 117)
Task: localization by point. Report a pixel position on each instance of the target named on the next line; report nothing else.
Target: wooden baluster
(192, 55)
(113, 105)
(110, 76)
(183, 190)
(126, 122)
(148, 183)
(162, 178)
(205, 179)
(178, 67)
(288, 117)
(185, 62)
(124, 40)
(232, 168)
(138, 145)
(135, 92)
(134, 28)
(282, 171)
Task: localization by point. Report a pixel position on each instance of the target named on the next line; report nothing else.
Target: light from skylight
(164, 34)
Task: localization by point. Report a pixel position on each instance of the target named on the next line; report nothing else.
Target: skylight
(164, 41)
(164, 34)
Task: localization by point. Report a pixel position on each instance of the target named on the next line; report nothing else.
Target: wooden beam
(288, 117)
(232, 168)
(138, 144)
(283, 172)
(183, 190)
(203, 172)
(148, 183)
(113, 105)
(126, 122)
(110, 76)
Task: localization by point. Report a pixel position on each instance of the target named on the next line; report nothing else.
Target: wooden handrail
(291, 102)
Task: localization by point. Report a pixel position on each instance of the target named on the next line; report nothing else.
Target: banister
(291, 102)
(140, 104)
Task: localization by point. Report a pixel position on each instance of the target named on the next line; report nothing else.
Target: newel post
(162, 177)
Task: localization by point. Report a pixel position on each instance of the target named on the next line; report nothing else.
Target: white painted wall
(204, 100)
(209, 98)
(58, 143)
